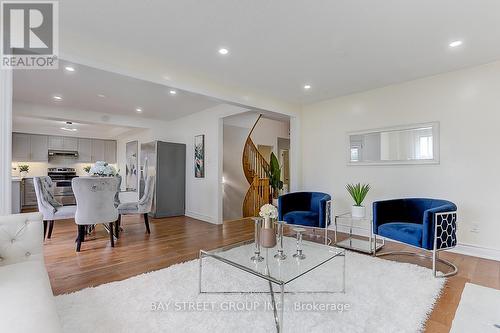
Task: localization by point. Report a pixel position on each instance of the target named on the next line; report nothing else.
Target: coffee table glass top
(272, 269)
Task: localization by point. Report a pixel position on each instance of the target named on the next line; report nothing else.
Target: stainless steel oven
(63, 192)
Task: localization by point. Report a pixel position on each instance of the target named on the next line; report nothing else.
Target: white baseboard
(466, 249)
(477, 251)
(201, 217)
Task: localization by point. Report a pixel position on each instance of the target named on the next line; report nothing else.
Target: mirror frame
(435, 145)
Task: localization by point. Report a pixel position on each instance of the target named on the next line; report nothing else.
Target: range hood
(66, 153)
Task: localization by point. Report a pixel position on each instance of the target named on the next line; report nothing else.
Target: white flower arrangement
(102, 169)
(269, 211)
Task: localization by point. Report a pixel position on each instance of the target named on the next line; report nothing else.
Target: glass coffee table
(277, 272)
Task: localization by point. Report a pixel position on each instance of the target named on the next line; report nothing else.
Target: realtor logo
(29, 33)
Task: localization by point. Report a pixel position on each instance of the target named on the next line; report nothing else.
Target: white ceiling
(123, 94)
(34, 125)
(248, 119)
(338, 47)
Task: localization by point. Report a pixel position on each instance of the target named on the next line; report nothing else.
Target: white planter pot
(358, 212)
(24, 174)
(275, 203)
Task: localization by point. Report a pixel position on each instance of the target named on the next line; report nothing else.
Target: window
(424, 148)
(355, 154)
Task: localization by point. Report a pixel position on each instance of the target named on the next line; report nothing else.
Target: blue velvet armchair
(304, 208)
(428, 224)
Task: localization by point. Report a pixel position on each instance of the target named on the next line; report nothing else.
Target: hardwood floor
(171, 241)
(178, 239)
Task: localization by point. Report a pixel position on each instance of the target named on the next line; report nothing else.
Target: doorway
(265, 151)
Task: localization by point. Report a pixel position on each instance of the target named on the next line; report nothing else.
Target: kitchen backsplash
(40, 168)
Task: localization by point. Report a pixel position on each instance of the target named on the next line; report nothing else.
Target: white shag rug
(381, 296)
(478, 310)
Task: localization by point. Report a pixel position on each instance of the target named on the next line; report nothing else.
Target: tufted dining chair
(51, 209)
(118, 187)
(143, 206)
(95, 204)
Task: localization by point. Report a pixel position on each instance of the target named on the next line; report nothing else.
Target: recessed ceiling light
(69, 68)
(173, 92)
(69, 127)
(455, 43)
(223, 51)
(307, 86)
(101, 95)
(57, 98)
(138, 109)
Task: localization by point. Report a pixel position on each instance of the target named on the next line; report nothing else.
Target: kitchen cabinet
(38, 148)
(29, 148)
(70, 143)
(84, 150)
(110, 151)
(20, 147)
(29, 195)
(16, 195)
(34, 148)
(56, 142)
(63, 143)
(98, 150)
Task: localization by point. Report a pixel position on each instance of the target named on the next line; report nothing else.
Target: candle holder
(257, 257)
(299, 254)
(280, 255)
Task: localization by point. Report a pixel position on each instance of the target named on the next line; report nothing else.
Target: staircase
(255, 168)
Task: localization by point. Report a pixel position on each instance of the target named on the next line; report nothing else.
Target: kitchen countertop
(16, 179)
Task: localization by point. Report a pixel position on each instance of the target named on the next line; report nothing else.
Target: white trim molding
(477, 251)
(5, 141)
(202, 217)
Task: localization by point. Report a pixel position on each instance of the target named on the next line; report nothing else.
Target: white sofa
(26, 299)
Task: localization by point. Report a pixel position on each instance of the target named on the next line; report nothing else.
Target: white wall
(268, 131)
(5, 141)
(202, 194)
(467, 105)
(236, 185)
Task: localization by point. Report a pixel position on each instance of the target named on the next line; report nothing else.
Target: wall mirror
(411, 144)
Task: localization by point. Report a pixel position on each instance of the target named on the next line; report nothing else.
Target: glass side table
(364, 241)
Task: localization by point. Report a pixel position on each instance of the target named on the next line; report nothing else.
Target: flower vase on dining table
(267, 234)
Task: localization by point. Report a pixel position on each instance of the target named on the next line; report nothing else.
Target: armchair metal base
(434, 259)
(444, 239)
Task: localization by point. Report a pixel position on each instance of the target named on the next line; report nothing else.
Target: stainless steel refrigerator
(166, 161)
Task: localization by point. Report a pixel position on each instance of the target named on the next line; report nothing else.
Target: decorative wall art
(199, 156)
(131, 172)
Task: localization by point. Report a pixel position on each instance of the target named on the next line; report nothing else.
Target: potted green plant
(23, 169)
(87, 169)
(358, 193)
(274, 175)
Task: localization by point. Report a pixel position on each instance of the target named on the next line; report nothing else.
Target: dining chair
(95, 204)
(51, 209)
(143, 206)
(118, 187)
